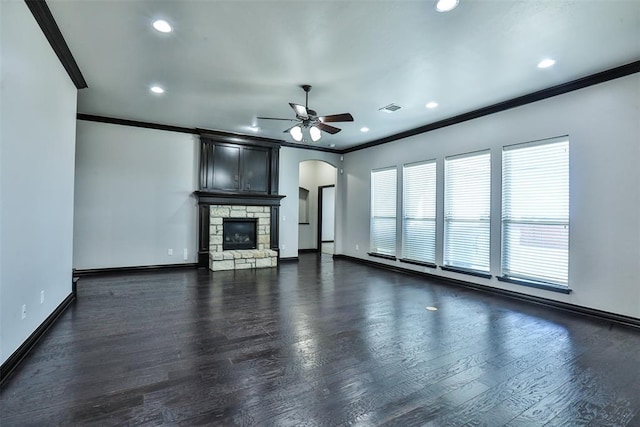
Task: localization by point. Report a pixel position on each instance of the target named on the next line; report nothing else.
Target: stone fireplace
(238, 201)
(239, 221)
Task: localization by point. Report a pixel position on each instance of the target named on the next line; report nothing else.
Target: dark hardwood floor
(320, 343)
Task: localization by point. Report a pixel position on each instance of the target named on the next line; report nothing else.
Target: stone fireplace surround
(260, 257)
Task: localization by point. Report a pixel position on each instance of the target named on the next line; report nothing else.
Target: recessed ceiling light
(431, 104)
(364, 129)
(430, 308)
(332, 145)
(157, 89)
(162, 26)
(446, 5)
(546, 63)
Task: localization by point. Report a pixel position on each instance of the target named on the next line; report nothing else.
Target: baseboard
(288, 259)
(10, 365)
(307, 251)
(591, 312)
(134, 269)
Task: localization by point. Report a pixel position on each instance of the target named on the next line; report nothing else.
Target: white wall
(290, 159)
(313, 173)
(37, 138)
(134, 196)
(603, 124)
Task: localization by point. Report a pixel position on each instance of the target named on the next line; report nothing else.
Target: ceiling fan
(309, 119)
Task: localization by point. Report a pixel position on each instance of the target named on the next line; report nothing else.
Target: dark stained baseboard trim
(10, 365)
(288, 259)
(581, 83)
(384, 256)
(42, 14)
(591, 312)
(134, 269)
(308, 251)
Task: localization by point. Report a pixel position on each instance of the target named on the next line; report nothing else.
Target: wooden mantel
(206, 197)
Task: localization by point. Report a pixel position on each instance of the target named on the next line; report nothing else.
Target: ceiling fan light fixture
(446, 5)
(296, 133)
(162, 26)
(315, 134)
(546, 63)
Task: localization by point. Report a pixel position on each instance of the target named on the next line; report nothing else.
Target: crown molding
(40, 11)
(581, 83)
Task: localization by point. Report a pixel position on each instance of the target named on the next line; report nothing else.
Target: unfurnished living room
(284, 213)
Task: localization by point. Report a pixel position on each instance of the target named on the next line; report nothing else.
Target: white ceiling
(227, 62)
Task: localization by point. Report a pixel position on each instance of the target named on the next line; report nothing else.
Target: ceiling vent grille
(390, 108)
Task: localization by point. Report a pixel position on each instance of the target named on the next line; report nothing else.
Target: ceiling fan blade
(275, 118)
(344, 117)
(301, 110)
(329, 129)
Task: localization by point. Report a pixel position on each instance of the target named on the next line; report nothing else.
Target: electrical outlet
(41, 297)
(185, 254)
(170, 252)
(284, 217)
(24, 311)
(282, 246)
(357, 247)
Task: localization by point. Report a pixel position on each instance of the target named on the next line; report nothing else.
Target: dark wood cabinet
(226, 167)
(255, 169)
(238, 168)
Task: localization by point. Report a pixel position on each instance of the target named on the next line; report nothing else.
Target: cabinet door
(226, 167)
(255, 169)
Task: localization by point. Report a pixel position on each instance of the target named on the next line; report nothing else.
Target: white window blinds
(383, 211)
(535, 211)
(467, 211)
(419, 212)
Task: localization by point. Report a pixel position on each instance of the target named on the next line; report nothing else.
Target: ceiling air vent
(390, 108)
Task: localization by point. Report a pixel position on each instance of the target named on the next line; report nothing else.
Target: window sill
(422, 263)
(384, 256)
(466, 271)
(533, 284)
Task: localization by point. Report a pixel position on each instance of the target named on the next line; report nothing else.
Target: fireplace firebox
(239, 233)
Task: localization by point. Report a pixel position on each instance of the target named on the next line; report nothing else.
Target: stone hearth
(260, 257)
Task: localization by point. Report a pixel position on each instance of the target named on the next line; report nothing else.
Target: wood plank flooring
(320, 342)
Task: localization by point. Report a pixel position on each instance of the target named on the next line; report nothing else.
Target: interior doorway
(316, 213)
(326, 218)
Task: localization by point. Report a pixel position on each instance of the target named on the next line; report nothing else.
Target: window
(535, 211)
(467, 207)
(383, 211)
(419, 212)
